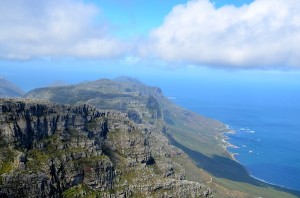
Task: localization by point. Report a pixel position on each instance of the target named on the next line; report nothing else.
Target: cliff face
(49, 150)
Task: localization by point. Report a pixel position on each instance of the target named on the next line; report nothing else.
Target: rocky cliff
(49, 150)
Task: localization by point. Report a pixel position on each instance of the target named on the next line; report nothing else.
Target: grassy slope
(188, 128)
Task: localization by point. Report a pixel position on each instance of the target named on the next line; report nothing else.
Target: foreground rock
(49, 150)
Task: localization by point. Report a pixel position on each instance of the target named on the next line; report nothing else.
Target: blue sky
(73, 40)
(132, 17)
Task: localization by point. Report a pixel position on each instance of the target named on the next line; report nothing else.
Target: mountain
(8, 89)
(199, 137)
(50, 150)
(141, 103)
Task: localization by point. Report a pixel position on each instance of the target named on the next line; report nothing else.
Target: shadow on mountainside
(218, 166)
(223, 167)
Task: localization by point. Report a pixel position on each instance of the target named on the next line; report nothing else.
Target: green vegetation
(195, 140)
(7, 156)
(80, 191)
(263, 190)
(192, 130)
(156, 169)
(6, 167)
(38, 160)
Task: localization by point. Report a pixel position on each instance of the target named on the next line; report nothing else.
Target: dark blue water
(267, 124)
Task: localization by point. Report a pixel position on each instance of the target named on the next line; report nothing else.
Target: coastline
(226, 164)
(272, 184)
(225, 167)
(226, 144)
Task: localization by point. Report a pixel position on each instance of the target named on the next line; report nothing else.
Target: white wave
(171, 98)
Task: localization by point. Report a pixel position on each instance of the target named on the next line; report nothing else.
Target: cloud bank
(265, 33)
(56, 28)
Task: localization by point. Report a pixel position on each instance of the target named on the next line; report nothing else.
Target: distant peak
(8, 89)
(3, 78)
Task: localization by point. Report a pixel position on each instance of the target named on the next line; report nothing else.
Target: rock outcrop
(50, 150)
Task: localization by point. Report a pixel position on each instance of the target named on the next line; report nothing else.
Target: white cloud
(130, 60)
(56, 28)
(265, 33)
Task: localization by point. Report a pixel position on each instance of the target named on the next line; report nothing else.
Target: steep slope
(8, 89)
(50, 150)
(198, 136)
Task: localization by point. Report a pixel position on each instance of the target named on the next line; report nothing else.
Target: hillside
(8, 89)
(197, 136)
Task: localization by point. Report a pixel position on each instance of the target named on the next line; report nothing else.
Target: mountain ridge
(8, 89)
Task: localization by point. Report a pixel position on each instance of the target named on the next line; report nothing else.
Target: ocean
(266, 120)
